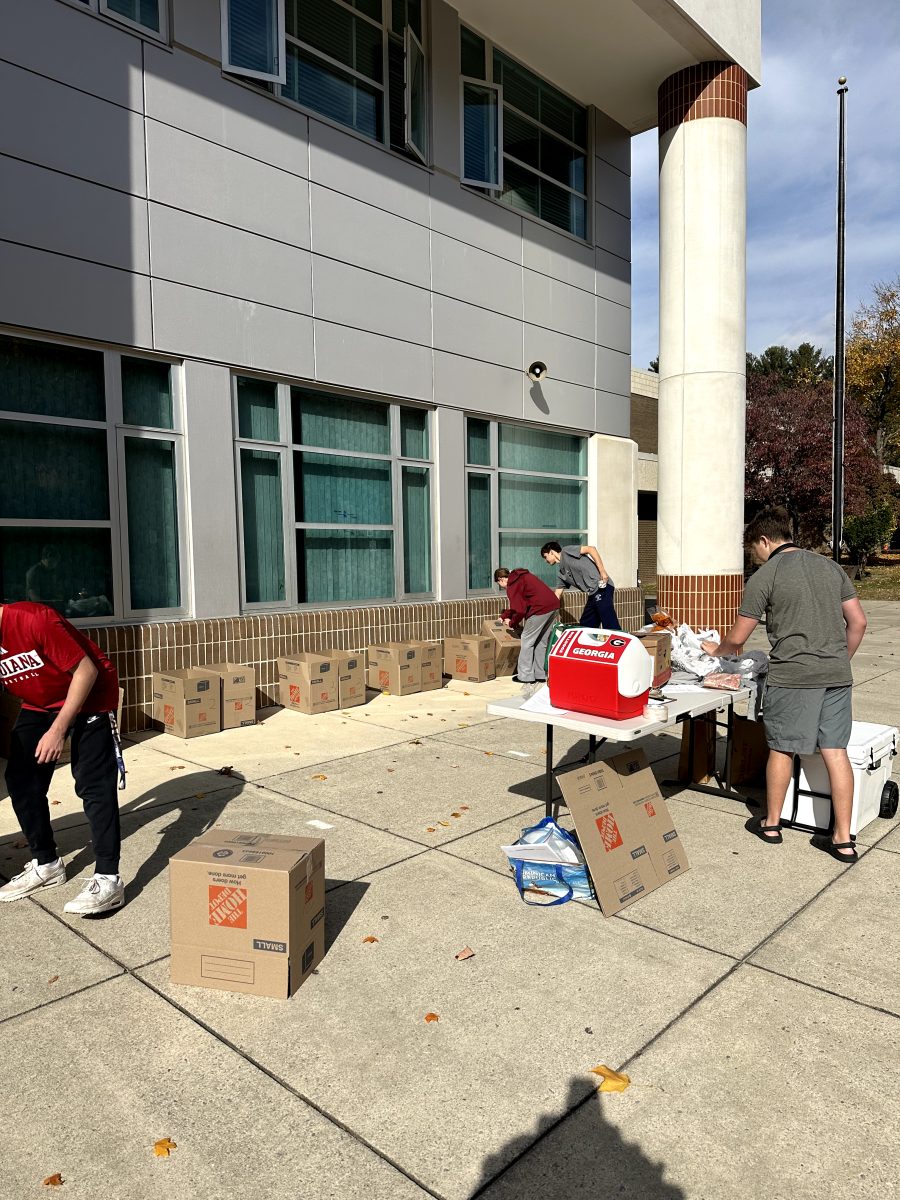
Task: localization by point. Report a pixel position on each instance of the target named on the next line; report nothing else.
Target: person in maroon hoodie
(531, 604)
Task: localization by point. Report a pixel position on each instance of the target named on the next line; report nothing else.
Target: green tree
(873, 367)
(867, 533)
(804, 367)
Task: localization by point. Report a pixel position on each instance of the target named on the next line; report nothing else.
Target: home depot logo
(228, 907)
(609, 831)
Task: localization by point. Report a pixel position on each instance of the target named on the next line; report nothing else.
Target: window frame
(423, 153)
(494, 470)
(117, 523)
(495, 189)
(288, 449)
(100, 8)
(230, 68)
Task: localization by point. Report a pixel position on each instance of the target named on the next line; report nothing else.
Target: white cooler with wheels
(872, 751)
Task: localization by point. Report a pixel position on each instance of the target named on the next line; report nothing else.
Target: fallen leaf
(54, 1180)
(19, 845)
(164, 1147)
(369, 939)
(467, 693)
(390, 770)
(225, 771)
(462, 725)
(429, 714)
(56, 801)
(456, 815)
(464, 807)
(431, 1017)
(53, 979)
(416, 742)
(319, 776)
(488, 753)
(182, 768)
(613, 1081)
(199, 795)
(431, 829)
(446, 824)
(466, 952)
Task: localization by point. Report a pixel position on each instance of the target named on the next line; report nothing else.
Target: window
(360, 63)
(90, 447)
(335, 496)
(523, 140)
(524, 486)
(149, 16)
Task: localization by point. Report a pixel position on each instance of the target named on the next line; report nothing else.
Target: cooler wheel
(889, 796)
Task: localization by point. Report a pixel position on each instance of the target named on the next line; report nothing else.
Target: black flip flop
(758, 827)
(835, 848)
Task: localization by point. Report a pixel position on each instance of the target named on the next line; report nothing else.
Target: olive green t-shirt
(800, 594)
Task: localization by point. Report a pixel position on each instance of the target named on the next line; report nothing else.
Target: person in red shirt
(66, 685)
(531, 604)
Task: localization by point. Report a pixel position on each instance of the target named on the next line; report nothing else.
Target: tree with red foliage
(789, 454)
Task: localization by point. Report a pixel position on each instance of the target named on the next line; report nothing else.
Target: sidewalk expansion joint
(87, 987)
(815, 987)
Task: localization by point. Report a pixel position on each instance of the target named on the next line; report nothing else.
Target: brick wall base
(701, 601)
(139, 650)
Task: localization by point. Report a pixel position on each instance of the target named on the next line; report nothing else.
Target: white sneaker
(33, 879)
(98, 895)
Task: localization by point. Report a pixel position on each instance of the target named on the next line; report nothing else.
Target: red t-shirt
(38, 651)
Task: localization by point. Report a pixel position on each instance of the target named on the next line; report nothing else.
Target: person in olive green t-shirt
(815, 624)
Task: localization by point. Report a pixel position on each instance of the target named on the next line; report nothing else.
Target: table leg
(592, 747)
(548, 775)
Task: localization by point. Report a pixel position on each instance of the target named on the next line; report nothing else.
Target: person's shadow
(579, 1155)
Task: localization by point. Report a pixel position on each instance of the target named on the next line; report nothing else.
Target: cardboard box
(705, 743)
(507, 647)
(432, 659)
(470, 658)
(627, 835)
(308, 683)
(237, 694)
(351, 666)
(658, 645)
(749, 752)
(186, 703)
(395, 667)
(10, 706)
(247, 911)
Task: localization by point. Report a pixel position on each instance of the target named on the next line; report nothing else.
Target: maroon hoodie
(527, 596)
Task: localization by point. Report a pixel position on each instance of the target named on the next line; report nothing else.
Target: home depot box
(627, 835)
(247, 911)
(237, 693)
(395, 667)
(432, 665)
(506, 649)
(351, 668)
(470, 658)
(186, 702)
(658, 644)
(308, 683)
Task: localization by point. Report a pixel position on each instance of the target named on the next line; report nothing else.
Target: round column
(702, 342)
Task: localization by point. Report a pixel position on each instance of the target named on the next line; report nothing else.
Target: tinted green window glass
(478, 442)
(333, 490)
(344, 565)
(142, 12)
(416, 490)
(414, 433)
(526, 449)
(152, 523)
(69, 569)
(51, 381)
(478, 504)
(257, 409)
(533, 502)
(53, 472)
(263, 530)
(524, 550)
(338, 423)
(147, 393)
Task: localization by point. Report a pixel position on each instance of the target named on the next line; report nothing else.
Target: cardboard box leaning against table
(395, 667)
(248, 912)
(506, 650)
(186, 702)
(627, 835)
(237, 693)
(308, 683)
(472, 659)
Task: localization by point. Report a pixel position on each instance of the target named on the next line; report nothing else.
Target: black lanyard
(778, 549)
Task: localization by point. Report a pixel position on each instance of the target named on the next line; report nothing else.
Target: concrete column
(450, 575)
(612, 505)
(702, 342)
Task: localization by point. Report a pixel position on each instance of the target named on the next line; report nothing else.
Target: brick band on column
(701, 601)
(710, 89)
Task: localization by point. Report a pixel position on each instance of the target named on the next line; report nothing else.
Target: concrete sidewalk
(754, 1002)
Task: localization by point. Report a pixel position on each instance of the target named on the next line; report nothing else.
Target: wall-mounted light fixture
(537, 371)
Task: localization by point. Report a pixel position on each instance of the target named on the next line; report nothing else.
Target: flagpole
(837, 493)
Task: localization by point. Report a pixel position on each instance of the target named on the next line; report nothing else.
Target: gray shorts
(802, 720)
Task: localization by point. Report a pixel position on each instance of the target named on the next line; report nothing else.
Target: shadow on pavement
(580, 1156)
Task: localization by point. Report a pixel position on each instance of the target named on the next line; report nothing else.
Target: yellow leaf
(199, 795)
(613, 1081)
(369, 939)
(320, 776)
(164, 1147)
(446, 824)
(53, 979)
(54, 1180)
(466, 952)
(489, 753)
(456, 814)
(431, 1017)
(431, 829)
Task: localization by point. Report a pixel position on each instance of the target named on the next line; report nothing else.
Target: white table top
(629, 730)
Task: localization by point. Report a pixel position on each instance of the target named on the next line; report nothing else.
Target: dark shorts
(803, 720)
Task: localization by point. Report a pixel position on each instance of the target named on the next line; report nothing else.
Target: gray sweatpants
(535, 636)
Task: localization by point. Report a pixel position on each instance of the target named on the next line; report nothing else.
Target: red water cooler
(603, 672)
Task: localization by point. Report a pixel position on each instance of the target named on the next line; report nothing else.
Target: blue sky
(791, 171)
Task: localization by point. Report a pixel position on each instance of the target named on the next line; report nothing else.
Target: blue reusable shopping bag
(562, 881)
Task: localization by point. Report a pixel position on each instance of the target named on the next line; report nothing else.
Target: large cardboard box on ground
(237, 693)
(395, 667)
(506, 650)
(749, 751)
(432, 654)
(658, 645)
(472, 659)
(186, 703)
(308, 683)
(247, 911)
(626, 832)
(703, 731)
(351, 667)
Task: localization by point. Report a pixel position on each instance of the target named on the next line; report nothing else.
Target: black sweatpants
(94, 771)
